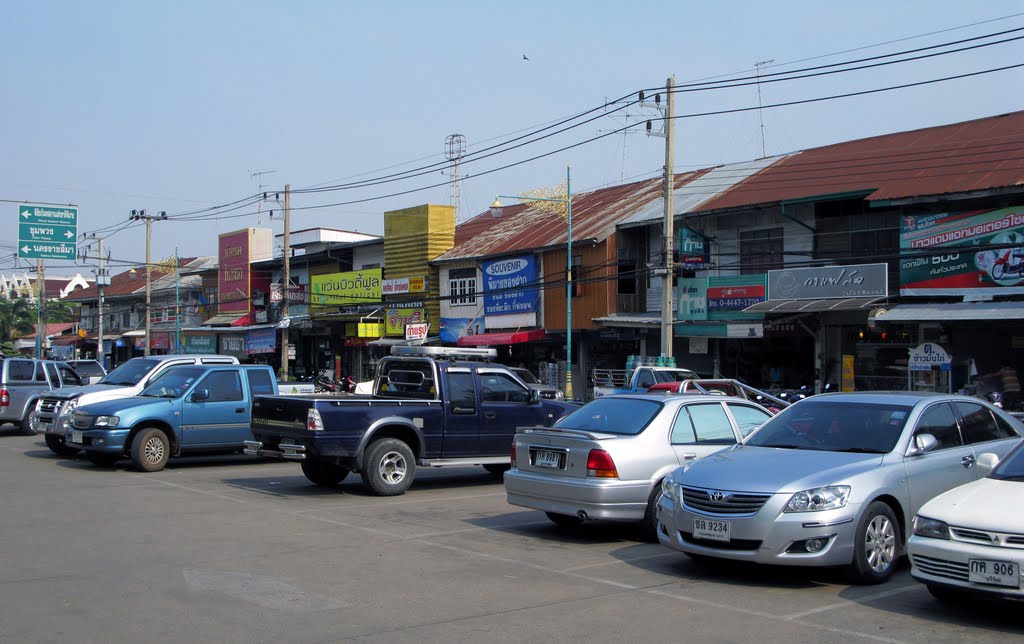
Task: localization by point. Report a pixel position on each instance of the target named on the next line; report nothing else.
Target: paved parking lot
(228, 549)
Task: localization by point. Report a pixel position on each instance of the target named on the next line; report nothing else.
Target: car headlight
(69, 407)
(819, 498)
(559, 395)
(106, 421)
(669, 489)
(932, 528)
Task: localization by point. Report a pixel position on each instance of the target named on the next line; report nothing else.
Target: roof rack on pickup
(449, 353)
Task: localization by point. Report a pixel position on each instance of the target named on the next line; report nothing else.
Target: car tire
(649, 526)
(388, 467)
(102, 460)
(497, 470)
(151, 450)
(59, 446)
(876, 545)
(25, 425)
(324, 474)
(564, 520)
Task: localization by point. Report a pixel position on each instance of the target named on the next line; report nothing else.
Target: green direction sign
(47, 233)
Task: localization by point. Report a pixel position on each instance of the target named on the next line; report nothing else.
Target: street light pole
(496, 208)
(149, 219)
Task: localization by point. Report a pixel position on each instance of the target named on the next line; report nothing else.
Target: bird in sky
(525, 58)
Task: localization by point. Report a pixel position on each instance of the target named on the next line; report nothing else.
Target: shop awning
(491, 339)
(812, 306)
(228, 319)
(952, 311)
(137, 333)
(65, 340)
(631, 320)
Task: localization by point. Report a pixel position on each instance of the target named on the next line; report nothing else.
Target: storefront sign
(451, 329)
(232, 345)
(296, 294)
(510, 286)
(720, 297)
(200, 344)
(397, 318)
(974, 252)
(734, 298)
(370, 329)
(403, 285)
(925, 356)
(261, 341)
(416, 331)
(160, 341)
(846, 383)
(828, 282)
(693, 250)
(233, 284)
(345, 289)
(693, 298)
(261, 316)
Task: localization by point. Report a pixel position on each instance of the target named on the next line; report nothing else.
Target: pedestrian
(1011, 385)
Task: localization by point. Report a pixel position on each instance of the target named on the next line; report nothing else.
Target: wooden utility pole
(667, 327)
(40, 307)
(286, 287)
(136, 215)
(101, 355)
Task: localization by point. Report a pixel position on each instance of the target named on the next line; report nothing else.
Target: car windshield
(86, 367)
(1011, 468)
(527, 376)
(172, 383)
(626, 416)
(832, 426)
(130, 373)
(676, 375)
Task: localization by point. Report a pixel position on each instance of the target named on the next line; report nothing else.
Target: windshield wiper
(783, 446)
(858, 450)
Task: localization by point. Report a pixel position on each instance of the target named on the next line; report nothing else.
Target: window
(68, 376)
(462, 286)
(682, 429)
(610, 415)
(223, 386)
(645, 379)
(20, 370)
(626, 280)
(980, 425)
(260, 383)
(710, 424)
(747, 418)
(40, 372)
(761, 250)
(939, 421)
(500, 387)
(462, 392)
(126, 319)
(51, 373)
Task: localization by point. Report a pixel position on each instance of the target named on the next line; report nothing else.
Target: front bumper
(769, 536)
(599, 498)
(947, 563)
(103, 441)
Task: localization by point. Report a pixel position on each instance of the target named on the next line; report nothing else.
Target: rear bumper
(610, 499)
(285, 451)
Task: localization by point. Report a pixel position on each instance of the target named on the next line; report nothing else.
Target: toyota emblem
(716, 495)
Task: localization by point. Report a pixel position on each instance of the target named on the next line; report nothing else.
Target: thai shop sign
(728, 295)
(398, 317)
(261, 340)
(693, 298)
(232, 345)
(693, 250)
(828, 282)
(971, 252)
(403, 285)
(510, 286)
(345, 289)
(233, 284)
(200, 344)
(925, 356)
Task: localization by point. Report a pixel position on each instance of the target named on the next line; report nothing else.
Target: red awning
(490, 339)
(65, 340)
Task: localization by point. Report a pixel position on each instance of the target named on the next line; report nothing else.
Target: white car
(972, 537)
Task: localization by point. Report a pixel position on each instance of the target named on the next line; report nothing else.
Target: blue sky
(172, 106)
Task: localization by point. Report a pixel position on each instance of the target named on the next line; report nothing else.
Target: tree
(17, 317)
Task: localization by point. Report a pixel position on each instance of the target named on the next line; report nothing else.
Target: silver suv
(24, 380)
(53, 413)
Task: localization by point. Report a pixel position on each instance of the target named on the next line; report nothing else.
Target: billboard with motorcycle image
(963, 253)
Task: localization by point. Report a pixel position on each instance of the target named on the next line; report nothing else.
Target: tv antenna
(258, 176)
(454, 150)
(760, 116)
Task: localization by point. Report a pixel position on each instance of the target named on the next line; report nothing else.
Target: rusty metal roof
(522, 227)
(961, 157)
(127, 284)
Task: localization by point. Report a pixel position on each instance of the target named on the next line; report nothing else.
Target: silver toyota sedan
(833, 480)
(606, 460)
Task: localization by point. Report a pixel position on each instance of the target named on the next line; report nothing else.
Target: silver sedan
(832, 480)
(606, 460)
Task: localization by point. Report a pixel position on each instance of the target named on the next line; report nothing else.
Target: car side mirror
(986, 463)
(534, 396)
(924, 443)
(199, 395)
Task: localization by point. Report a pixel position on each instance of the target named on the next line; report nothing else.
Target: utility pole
(286, 287)
(667, 328)
(101, 281)
(149, 219)
(40, 306)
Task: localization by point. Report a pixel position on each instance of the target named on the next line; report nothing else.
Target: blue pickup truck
(431, 407)
(185, 410)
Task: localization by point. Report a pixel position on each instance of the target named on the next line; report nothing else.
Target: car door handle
(967, 461)
(689, 455)
(239, 410)
(490, 415)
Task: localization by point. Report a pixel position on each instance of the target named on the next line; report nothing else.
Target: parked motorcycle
(323, 383)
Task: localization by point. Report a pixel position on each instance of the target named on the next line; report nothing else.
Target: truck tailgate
(286, 413)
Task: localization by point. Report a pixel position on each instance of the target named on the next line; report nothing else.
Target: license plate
(711, 529)
(76, 437)
(996, 573)
(544, 458)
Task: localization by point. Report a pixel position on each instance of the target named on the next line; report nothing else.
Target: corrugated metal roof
(961, 157)
(125, 283)
(521, 227)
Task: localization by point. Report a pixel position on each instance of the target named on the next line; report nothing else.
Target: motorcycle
(1008, 264)
(973, 388)
(323, 383)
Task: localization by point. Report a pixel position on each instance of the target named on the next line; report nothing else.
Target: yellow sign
(397, 318)
(345, 289)
(847, 383)
(370, 329)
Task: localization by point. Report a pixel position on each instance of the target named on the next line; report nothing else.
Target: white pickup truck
(614, 381)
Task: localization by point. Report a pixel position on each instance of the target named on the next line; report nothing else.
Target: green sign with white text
(47, 233)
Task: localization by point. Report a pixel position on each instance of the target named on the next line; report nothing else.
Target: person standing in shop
(1011, 385)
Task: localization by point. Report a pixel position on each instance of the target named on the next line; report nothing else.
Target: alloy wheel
(880, 543)
(393, 467)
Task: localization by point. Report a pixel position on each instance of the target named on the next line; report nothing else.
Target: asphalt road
(227, 549)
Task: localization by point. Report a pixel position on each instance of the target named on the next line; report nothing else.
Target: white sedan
(972, 537)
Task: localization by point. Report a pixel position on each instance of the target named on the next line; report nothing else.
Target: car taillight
(313, 421)
(5, 398)
(513, 454)
(600, 464)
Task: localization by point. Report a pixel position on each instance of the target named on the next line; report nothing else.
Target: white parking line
(848, 602)
(151, 479)
(660, 555)
(387, 503)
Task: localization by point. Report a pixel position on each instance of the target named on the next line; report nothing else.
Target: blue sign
(261, 340)
(693, 250)
(510, 286)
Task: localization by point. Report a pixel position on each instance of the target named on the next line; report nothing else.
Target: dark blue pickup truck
(431, 406)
